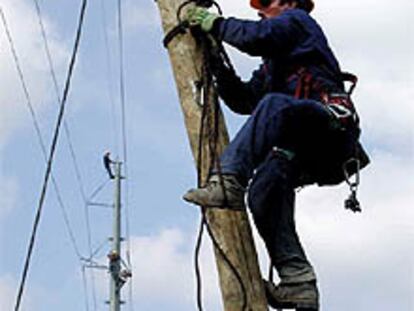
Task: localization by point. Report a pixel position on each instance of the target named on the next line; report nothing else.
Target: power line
(124, 142)
(70, 143)
(40, 137)
(109, 75)
(97, 190)
(98, 249)
(68, 136)
(56, 88)
(122, 83)
(51, 154)
(92, 253)
(48, 54)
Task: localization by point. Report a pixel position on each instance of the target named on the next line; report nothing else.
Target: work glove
(199, 16)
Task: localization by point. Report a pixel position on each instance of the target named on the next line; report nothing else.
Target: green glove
(199, 16)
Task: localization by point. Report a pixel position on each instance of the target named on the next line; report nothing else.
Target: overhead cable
(40, 136)
(56, 88)
(66, 129)
(124, 143)
(97, 190)
(68, 137)
(109, 75)
(51, 154)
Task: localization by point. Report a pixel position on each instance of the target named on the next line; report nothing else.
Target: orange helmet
(306, 5)
(259, 4)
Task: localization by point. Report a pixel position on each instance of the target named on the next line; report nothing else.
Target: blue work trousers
(306, 128)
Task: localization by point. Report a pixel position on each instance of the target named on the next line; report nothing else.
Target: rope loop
(213, 51)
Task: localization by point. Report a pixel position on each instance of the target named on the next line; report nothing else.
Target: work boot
(213, 194)
(299, 296)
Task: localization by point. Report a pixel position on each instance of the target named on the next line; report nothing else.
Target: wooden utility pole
(230, 228)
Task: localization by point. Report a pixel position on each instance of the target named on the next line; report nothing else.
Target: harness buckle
(341, 107)
(339, 111)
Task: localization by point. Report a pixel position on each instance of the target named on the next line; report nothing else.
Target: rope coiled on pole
(209, 125)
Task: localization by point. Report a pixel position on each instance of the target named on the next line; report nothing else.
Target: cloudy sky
(364, 262)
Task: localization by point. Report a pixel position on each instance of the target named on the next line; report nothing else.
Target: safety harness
(339, 104)
(341, 107)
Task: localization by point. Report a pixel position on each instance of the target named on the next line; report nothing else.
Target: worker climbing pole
(303, 129)
(240, 280)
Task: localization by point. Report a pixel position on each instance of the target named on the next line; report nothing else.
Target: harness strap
(307, 83)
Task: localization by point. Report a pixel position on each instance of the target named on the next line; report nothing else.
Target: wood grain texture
(231, 229)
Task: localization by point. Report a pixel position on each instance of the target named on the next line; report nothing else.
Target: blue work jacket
(288, 42)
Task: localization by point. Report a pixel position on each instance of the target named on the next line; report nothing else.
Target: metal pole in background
(114, 256)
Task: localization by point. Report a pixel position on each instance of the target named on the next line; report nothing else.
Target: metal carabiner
(352, 202)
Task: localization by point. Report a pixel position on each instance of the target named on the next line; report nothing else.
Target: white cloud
(240, 9)
(370, 26)
(6, 293)
(371, 41)
(138, 16)
(23, 25)
(368, 255)
(24, 28)
(163, 270)
(8, 195)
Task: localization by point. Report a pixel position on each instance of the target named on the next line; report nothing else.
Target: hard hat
(306, 5)
(259, 4)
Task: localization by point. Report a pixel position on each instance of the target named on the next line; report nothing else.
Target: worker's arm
(265, 38)
(241, 97)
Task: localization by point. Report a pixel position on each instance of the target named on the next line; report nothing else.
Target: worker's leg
(271, 200)
(279, 120)
(244, 153)
(264, 129)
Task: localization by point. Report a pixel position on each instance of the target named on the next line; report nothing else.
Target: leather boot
(215, 195)
(299, 296)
